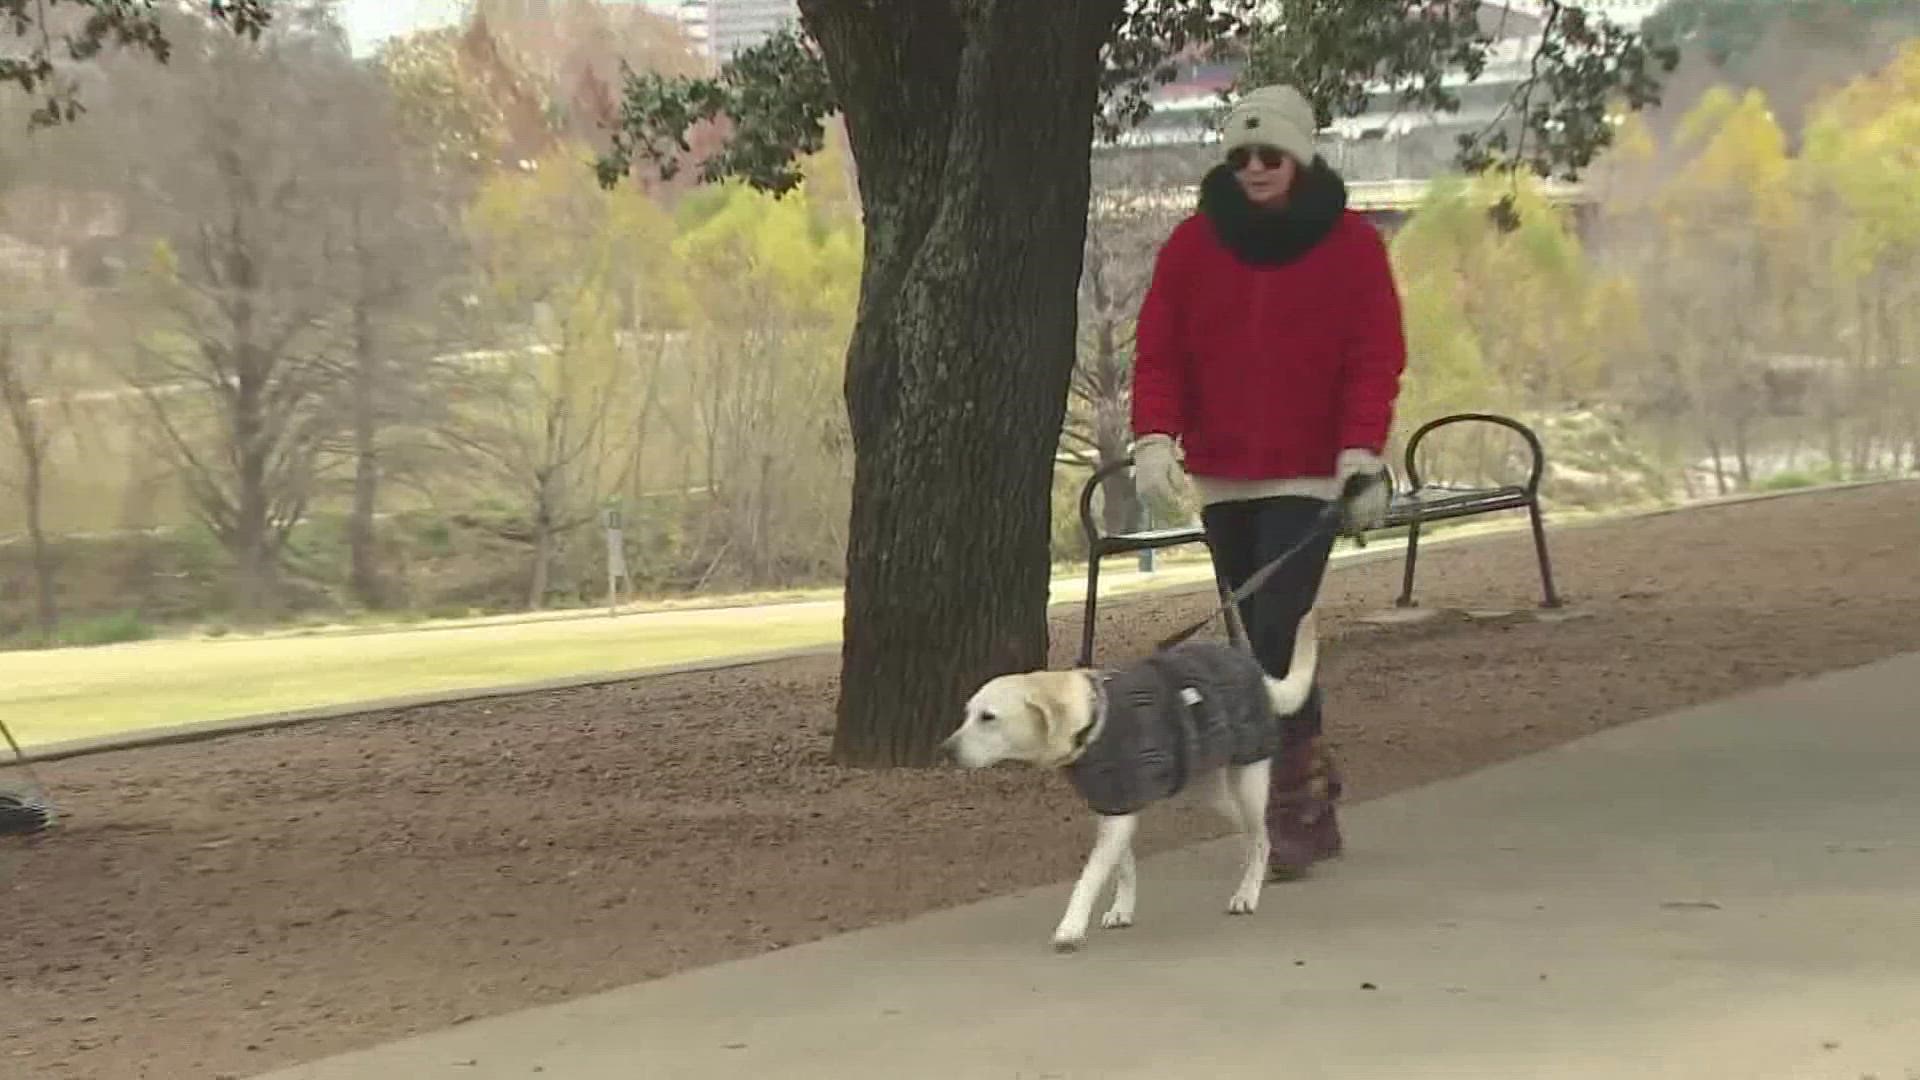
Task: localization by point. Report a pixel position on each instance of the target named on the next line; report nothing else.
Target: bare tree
(31, 436)
(401, 259)
(1138, 197)
(46, 206)
(530, 419)
(772, 282)
(558, 264)
(773, 450)
(243, 380)
(20, 384)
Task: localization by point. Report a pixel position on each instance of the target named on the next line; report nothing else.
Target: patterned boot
(1302, 820)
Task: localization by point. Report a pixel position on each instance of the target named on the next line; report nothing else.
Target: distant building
(724, 27)
(690, 14)
(1385, 142)
(1627, 13)
(1386, 153)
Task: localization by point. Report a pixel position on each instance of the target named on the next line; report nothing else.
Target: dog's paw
(1064, 943)
(1243, 903)
(1116, 919)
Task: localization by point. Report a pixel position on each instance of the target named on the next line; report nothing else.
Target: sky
(368, 22)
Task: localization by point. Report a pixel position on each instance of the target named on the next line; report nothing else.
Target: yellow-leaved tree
(1503, 317)
(574, 283)
(773, 285)
(1716, 246)
(1861, 165)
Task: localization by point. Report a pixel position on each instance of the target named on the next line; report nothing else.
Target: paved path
(1724, 894)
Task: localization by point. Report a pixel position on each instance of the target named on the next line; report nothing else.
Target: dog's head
(1030, 718)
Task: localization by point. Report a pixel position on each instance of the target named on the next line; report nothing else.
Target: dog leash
(1329, 521)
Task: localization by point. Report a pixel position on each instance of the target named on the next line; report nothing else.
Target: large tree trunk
(542, 582)
(362, 541)
(256, 562)
(974, 178)
(250, 535)
(241, 511)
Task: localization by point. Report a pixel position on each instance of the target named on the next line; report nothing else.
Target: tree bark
(541, 584)
(971, 126)
(362, 540)
(1687, 488)
(30, 437)
(1833, 427)
(1742, 455)
(46, 595)
(1719, 465)
(252, 528)
(545, 503)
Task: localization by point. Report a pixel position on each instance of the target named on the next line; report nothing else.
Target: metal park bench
(1414, 504)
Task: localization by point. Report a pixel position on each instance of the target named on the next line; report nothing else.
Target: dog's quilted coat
(1178, 714)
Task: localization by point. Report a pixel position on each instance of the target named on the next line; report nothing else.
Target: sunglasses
(1242, 156)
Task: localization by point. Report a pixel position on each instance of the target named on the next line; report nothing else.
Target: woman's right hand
(1157, 474)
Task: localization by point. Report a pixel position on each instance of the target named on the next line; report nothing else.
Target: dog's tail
(1290, 694)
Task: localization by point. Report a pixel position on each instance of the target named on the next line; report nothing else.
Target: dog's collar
(1085, 736)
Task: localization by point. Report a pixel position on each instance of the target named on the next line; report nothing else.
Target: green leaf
(775, 97)
(125, 24)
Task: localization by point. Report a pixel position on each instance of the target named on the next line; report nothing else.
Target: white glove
(1369, 508)
(1156, 470)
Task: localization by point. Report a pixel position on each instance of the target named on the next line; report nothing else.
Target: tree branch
(776, 96)
(120, 23)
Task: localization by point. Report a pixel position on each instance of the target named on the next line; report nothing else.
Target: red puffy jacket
(1267, 372)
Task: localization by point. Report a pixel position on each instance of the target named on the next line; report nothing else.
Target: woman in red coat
(1269, 353)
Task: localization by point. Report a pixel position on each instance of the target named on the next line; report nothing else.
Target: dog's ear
(1061, 711)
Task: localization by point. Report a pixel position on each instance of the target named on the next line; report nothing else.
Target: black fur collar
(1274, 237)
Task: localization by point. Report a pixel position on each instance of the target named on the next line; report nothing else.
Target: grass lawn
(57, 695)
(60, 694)
(81, 693)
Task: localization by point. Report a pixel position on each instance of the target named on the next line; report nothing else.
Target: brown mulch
(223, 908)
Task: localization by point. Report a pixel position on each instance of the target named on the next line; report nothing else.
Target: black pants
(1245, 536)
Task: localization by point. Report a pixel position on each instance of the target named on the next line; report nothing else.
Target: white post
(616, 559)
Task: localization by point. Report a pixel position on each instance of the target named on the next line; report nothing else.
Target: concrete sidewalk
(1724, 894)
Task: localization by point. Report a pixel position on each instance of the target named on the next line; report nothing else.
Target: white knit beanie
(1277, 116)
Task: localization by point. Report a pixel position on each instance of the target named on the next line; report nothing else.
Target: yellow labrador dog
(1199, 712)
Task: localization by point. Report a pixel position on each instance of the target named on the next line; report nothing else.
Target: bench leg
(1090, 610)
(1413, 558)
(1551, 599)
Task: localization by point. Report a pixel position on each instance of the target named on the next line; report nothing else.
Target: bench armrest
(1091, 488)
(1536, 469)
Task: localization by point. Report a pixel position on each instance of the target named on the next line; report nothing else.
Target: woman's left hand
(1366, 507)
